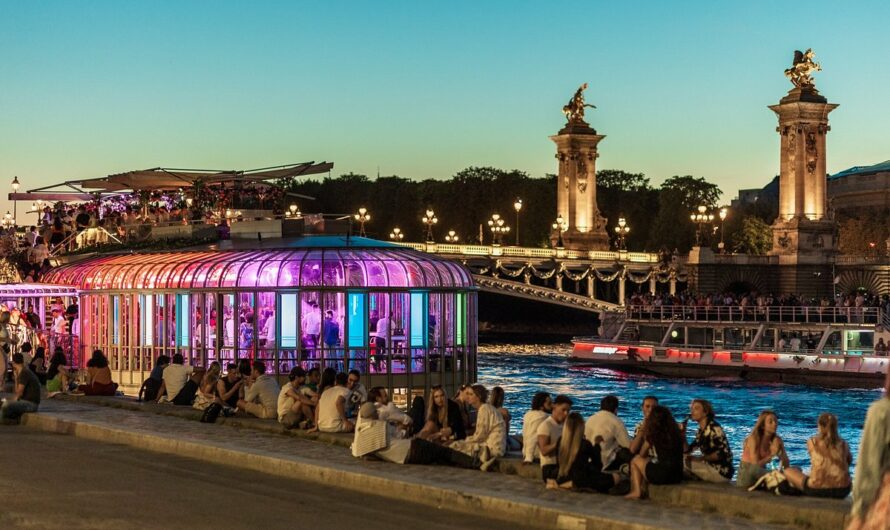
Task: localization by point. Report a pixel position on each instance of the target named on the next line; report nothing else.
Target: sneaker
(228, 412)
(486, 459)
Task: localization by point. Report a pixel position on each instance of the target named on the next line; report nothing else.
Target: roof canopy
(160, 178)
(310, 266)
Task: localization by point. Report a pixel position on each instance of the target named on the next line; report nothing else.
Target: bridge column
(621, 282)
(590, 291)
(652, 284)
(527, 277)
(673, 285)
(559, 282)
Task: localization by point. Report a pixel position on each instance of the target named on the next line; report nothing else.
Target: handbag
(370, 436)
(775, 482)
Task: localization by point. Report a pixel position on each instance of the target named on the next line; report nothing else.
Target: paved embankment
(260, 445)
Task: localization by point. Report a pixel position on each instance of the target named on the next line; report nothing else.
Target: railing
(533, 252)
(779, 314)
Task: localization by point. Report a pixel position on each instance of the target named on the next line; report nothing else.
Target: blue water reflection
(737, 404)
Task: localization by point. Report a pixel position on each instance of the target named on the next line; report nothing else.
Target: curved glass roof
(312, 266)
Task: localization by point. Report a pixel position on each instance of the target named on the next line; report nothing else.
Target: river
(524, 370)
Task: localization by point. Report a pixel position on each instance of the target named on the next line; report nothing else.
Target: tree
(754, 237)
(677, 198)
(863, 233)
(628, 195)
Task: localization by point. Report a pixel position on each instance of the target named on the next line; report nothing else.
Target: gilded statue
(802, 67)
(574, 110)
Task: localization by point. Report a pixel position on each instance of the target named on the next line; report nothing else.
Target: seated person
(549, 433)
(387, 410)
(358, 394)
(38, 364)
(443, 419)
(99, 377)
(496, 400)
(607, 429)
(261, 396)
(715, 462)
(177, 385)
(206, 394)
(57, 378)
(293, 405)
(331, 409)
(660, 460)
(761, 447)
(649, 402)
(580, 462)
(489, 439)
(830, 457)
(152, 385)
(228, 388)
(27, 391)
(542, 404)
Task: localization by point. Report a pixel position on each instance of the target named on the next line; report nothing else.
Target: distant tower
(576, 150)
(803, 233)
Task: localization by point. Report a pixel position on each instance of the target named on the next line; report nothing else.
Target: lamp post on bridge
(622, 230)
(452, 237)
(15, 201)
(429, 220)
(517, 206)
(723, 213)
(701, 218)
(396, 234)
(559, 225)
(498, 229)
(362, 217)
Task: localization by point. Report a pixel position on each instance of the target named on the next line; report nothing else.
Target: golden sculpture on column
(576, 150)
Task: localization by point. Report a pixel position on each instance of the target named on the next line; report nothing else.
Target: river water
(736, 403)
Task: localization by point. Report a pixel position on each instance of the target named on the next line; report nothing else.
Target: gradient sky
(422, 90)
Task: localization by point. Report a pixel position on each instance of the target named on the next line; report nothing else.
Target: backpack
(149, 390)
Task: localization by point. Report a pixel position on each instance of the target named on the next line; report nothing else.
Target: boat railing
(769, 314)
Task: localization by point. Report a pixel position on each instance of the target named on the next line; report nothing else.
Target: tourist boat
(824, 346)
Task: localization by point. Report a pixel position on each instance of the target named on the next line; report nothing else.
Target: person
(25, 348)
(57, 378)
(228, 388)
(489, 440)
(467, 413)
(206, 394)
(177, 386)
(331, 330)
(267, 339)
(331, 410)
(31, 236)
(294, 406)
(715, 462)
(27, 391)
(387, 410)
(549, 432)
(358, 394)
(152, 385)
(649, 403)
(760, 448)
(579, 462)
(830, 458)
(607, 429)
(871, 485)
(443, 420)
(542, 405)
(881, 347)
(380, 333)
(39, 252)
(496, 400)
(261, 396)
(328, 379)
(661, 456)
(98, 377)
(38, 364)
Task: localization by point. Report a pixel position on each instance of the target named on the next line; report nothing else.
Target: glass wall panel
(266, 338)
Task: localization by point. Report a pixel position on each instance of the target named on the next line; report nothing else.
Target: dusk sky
(423, 90)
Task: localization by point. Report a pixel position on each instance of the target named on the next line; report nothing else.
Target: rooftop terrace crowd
(471, 429)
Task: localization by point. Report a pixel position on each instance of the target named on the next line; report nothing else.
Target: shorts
(827, 493)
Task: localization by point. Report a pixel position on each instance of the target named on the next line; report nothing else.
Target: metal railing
(777, 314)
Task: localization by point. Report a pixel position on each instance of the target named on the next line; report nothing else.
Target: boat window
(651, 333)
(859, 341)
(833, 345)
(701, 336)
(767, 339)
(734, 337)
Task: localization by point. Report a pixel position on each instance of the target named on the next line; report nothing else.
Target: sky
(423, 89)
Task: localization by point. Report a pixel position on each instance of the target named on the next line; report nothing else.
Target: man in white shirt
(332, 408)
(549, 432)
(293, 405)
(269, 331)
(60, 325)
(382, 332)
(312, 324)
(261, 397)
(174, 380)
(609, 431)
(542, 405)
(388, 412)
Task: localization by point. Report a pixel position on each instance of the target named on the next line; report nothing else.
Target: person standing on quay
(871, 479)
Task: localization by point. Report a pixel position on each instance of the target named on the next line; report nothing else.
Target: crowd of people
(755, 299)
(471, 429)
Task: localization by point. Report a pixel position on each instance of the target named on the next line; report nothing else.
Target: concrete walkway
(508, 498)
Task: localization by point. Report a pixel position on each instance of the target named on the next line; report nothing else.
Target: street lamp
(496, 225)
(559, 225)
(452, 237)
(622, 230)
(723, 212)
(293, 211)
(517, 206)
(8, 221)
(429, 220)
(15, 201)
(362, 217)
(701, 218)
(396, 234)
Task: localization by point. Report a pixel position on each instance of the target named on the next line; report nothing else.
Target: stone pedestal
(802, 241)
(576, 150)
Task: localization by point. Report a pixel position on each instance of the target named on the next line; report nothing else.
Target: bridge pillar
(590, 285)
(652, 284)
(621, 282)
(673, 286)
(559, 282)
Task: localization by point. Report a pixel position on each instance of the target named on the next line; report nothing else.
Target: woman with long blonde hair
(207, 389)
(830, 456)
(443, 419)
(580, 461)
(760, 448)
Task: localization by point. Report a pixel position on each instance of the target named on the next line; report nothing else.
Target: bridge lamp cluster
(429, 219)
(362, 217)
(621, 231)
(452, 237)
(293, 211)
(498, 229)
(559, 225)
(396, 234)
(701, 217)
(517, 206)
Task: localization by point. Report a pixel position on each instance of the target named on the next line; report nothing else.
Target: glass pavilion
(405, 319)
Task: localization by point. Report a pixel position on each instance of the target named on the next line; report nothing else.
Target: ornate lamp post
(723, 212)
(452, 237)
(517, 206)
(559, 225)
(362, 217)
(8, 221)
(15, 202)
(396, 234)
(498, 229)
(429, 219)
(622, 230)
(701, 218)
(293, 211)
